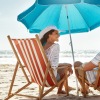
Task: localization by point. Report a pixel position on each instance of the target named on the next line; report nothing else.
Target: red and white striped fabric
(32, 57)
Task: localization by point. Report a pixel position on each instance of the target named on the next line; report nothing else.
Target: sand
(6, 72)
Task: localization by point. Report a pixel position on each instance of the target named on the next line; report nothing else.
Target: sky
(10, 9)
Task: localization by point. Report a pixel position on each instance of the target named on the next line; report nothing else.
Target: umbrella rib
(59, 15)
(38, 15)
(82, 17)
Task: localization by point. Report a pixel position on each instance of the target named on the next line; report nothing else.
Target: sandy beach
(6, 72)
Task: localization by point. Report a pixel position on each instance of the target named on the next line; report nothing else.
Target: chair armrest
(62, 67)
(79, 68)
(24, 66)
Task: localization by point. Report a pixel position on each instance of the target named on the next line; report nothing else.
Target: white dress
(52, 54)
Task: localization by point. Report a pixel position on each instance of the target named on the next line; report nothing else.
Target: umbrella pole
(71, 47)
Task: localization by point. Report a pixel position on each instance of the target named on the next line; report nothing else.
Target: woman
(48, 37)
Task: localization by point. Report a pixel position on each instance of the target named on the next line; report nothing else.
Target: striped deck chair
(83, 80)
(31, 53)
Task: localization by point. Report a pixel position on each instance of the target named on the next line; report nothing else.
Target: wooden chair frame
(82, 80)
(41, 88)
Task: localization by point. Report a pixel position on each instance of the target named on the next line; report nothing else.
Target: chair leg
(83, 84)
(66, 85)
(11, 95)
(41, 92)
(81, 81)
(39, 89)
(77, 75)
(13, 79)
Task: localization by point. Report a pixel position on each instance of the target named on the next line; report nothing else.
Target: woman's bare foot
(87, 91)
(64, 92)
(86, 88)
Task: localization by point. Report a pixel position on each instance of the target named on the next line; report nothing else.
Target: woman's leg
(61, 73)
(60, 91)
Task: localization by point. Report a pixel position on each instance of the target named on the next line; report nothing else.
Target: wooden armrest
(23, 65)
(67, 67)
(63, 67)
(79, 68)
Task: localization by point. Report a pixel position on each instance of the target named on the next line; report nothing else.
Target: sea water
(8, 57)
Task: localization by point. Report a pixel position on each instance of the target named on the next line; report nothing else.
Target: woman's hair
(46, 36)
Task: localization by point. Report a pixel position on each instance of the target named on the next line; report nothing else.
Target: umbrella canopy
(82, 17)
(96, 2)
(49, 2)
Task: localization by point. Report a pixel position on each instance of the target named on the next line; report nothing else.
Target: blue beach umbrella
(71, 18)
(82, 17)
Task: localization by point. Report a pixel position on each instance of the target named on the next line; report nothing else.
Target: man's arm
(89, 66)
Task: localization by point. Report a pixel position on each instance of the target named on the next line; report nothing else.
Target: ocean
(7, 56)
